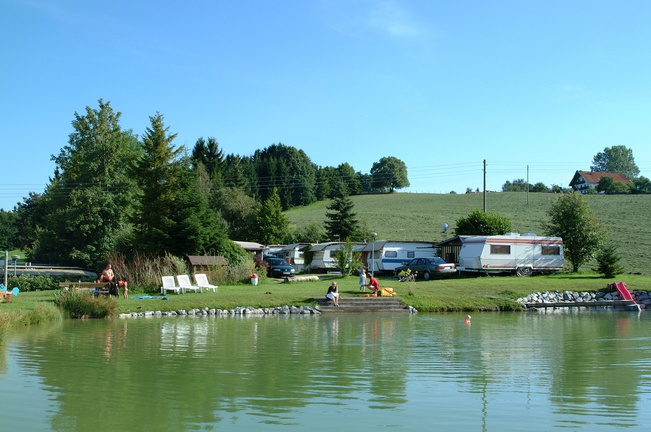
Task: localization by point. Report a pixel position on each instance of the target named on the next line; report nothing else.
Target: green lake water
(570, 371)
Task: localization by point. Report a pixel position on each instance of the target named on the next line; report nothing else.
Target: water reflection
(577, 371)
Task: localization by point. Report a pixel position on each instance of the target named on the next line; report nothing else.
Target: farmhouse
(584, 180)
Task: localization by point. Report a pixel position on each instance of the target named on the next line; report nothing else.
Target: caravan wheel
(523, 271)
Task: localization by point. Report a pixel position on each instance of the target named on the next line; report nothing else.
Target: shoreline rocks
(549, 297)
(238, 311)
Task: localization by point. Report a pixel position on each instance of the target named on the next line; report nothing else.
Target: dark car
(279, 268)
(428, 268)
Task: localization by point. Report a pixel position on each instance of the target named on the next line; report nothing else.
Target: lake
(571, 371)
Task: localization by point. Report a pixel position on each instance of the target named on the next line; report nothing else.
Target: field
(406, 216)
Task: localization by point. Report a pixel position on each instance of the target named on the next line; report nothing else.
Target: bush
(33, 283)
(82, 304)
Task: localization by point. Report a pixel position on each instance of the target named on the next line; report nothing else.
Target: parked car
(279, 268)
(428, 268)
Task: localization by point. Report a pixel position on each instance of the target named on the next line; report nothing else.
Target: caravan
(385, 255)
(512, 253)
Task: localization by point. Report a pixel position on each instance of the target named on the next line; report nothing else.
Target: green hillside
(407, 216)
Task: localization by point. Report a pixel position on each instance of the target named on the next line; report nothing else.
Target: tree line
(112, 191)
(615, 159)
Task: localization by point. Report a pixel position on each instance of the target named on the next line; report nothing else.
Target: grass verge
(443, 295)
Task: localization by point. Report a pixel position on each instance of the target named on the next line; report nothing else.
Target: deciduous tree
(572, 219)
(389, 174)
(616, 159)
(481, 223)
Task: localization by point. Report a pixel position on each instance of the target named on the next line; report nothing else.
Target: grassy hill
(408, 216)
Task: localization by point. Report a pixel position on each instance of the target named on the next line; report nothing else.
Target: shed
(450, 248)
(203, 263)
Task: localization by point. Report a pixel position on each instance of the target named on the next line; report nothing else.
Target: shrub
(82, 304)
(33, 283)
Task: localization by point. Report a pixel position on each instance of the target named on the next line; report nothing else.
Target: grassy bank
(456, 294)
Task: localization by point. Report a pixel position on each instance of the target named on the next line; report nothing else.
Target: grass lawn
(454, 294)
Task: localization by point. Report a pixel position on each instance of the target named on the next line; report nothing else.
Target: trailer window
(501, 249)
(391, 254)
(411, 254)
(551, 250)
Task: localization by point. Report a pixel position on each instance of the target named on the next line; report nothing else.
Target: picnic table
(94, 287)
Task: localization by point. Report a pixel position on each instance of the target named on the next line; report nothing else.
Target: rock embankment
(641, 297)
(238, 311)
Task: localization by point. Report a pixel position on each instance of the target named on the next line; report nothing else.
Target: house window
(501, 249)
(391, 254)
(550, 250)
(411, 254)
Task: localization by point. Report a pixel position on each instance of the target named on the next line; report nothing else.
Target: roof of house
(593, 177)
(204, 260)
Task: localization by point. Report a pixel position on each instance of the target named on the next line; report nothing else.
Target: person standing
(122, 283)
(362, 279)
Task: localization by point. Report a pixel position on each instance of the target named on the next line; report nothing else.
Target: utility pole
(527, 185)
(484, 185)
(6, 269)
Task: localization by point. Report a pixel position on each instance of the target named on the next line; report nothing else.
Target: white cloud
(391, 18)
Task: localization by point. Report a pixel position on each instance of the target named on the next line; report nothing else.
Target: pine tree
(343, 223)
(608, 262)
(272, 224)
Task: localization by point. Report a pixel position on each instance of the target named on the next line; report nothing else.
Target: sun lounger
(186, 285)
(168, 285)
(202, 281)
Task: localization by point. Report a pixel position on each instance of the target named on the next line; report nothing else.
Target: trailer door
(524, 258)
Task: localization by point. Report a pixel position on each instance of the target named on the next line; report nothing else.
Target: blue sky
(441, 85)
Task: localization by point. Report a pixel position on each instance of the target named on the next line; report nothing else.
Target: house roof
(205, 260)
(593, 177)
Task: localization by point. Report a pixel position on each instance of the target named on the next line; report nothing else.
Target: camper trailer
(324, 256)
(523, 255)
(385, 255)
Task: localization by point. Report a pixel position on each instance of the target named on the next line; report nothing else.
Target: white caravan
(514, 253)
(385, 255)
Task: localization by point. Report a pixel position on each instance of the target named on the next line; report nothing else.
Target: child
(362, 279)
(125, 288)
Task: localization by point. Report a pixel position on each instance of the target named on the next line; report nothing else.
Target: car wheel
(427, 276)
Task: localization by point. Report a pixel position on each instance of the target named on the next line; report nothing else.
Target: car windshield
(437, 260)
(277, 262)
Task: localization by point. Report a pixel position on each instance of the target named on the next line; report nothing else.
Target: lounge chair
(202, 281)
(185, 284)
(168, 285)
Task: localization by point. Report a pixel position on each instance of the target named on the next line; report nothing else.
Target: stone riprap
(641, 297)
(238, 311)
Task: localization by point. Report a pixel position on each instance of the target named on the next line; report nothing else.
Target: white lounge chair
(202, 281)
(168, 285)
(185, 284)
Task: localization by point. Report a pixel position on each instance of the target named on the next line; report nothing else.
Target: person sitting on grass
(333, 294)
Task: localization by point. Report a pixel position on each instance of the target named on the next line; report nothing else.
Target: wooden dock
(363, 304)
(620, 304)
